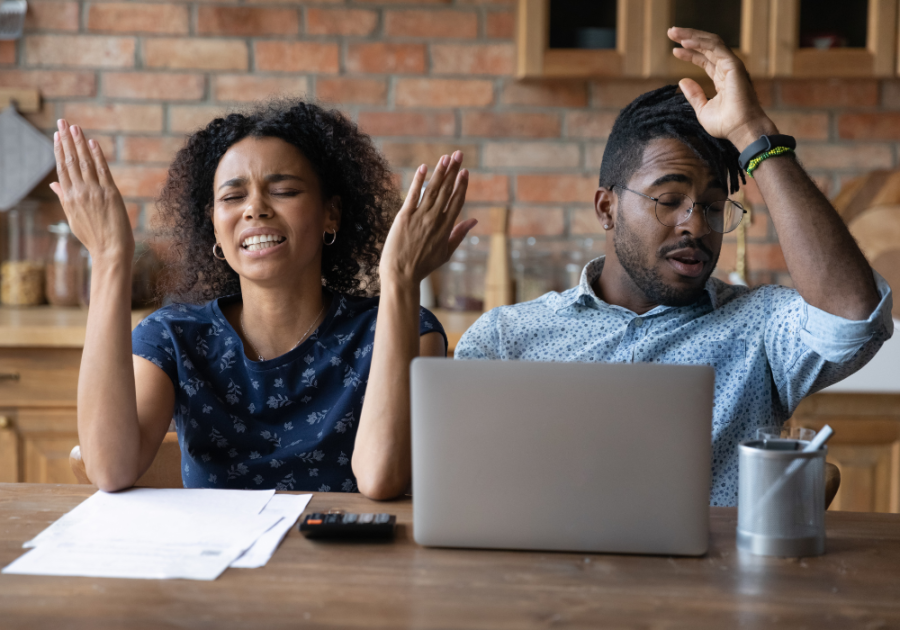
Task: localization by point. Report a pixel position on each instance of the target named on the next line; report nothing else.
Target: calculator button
(382, 518)
(350, 518)
(366, 518)
(313, 521)
(332, 518)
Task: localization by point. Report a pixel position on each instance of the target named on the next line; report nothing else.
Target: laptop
(580, 457)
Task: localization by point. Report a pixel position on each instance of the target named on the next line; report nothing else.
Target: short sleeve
(428, 323)
(809, 349)
(152, 340)
(482, 339)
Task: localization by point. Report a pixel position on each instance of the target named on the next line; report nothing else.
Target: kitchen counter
(48, 326)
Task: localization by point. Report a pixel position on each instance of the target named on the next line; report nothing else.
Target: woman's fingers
(434, 186)
(458, 234)
(69, 152)
(100, 165)
(451, 180)
(85, 160)
(64, 182)
(415, 189)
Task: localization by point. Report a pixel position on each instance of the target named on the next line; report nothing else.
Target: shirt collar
(584, 293)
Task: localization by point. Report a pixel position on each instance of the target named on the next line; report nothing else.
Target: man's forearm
(827, 267)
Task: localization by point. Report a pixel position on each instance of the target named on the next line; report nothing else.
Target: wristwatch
(765, 143)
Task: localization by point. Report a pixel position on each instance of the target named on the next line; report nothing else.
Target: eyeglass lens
(674, 209)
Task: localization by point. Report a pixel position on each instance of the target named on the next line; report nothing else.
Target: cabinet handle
(9, 376)
(5, 422)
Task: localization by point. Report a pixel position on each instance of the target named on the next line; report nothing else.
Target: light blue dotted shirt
(769, 348)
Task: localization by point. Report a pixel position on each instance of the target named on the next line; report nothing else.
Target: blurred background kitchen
(528, 89)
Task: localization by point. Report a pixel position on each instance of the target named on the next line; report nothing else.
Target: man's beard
(648, 280)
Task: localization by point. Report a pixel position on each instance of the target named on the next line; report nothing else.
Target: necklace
(252, 347)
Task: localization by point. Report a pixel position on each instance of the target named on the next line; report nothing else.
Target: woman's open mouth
(261, 242)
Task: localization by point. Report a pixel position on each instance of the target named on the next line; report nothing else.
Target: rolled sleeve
(837, 339)
(481, 340)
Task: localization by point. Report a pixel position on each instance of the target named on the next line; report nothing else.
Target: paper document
(289, 507)
(152, 533)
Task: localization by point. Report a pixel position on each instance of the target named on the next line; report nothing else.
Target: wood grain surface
(401, 585)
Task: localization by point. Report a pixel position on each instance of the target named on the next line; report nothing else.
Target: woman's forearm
(381, 455)
(108, 428)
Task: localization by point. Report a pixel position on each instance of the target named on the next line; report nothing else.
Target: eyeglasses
(674, 209)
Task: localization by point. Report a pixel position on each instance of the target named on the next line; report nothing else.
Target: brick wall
(423, 77)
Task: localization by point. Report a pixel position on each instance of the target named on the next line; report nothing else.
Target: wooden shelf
(48, 326)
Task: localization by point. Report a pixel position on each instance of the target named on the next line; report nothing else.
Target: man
(670, 161)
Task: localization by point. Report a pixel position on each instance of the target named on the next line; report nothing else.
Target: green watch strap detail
(755, 162)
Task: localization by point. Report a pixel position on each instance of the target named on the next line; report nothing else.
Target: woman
(277, 375)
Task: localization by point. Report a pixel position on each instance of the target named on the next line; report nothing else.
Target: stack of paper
(163, 533)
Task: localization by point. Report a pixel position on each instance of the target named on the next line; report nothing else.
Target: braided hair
(348, 166)
(664, 113)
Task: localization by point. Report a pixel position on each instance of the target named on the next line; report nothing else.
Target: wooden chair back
(164, 472)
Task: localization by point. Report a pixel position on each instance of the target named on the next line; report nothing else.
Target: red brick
(135, 17)
(620, 92)
(248, 88)
(246, 21)
(593, 156)
(443, 93)
(536, 222)
(496, 59)
(45, 118)
(200, 54)
(545, 93)
(52, 16)
(589, 124)
(874, 126)
(510, 125)
(118, 117)
(890, 94)
(501, 25)
(855, 156)
(764, 91)
(139, 181)
(765, 257)
(412, 154)
(7, 52)
(829, 92)
(408, 123)
(149, 150)
(280, 56)
(802, 125)
(556, 188)
(540, 155)
(387, 58)
(134, 213)
(154, 86)
(486, 187)
(107, 145)
(340, 21)
(190, 118)
(584, 221)
(431, 24)
(79, 50)
(351, 90)
(751, 192)
(52, 83)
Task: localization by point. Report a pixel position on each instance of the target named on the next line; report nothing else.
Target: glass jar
(62, 266)
(462, 279)
(533, 270)
(22, 271)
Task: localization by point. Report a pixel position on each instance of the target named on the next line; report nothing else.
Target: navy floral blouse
(288, 423)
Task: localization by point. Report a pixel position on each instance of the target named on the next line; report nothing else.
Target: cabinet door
(47, 436)
(868, 477)
(815, 38)
(538, 58)
(9, 449)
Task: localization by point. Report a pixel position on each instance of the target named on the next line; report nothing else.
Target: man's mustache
(684, 244)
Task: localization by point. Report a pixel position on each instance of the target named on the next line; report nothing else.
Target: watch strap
(765, 143)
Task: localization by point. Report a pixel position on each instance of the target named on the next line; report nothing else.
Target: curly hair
(348, 166)
(664, 113)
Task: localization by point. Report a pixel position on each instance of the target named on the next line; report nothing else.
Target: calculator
(337, 524)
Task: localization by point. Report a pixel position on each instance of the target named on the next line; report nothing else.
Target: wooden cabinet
(865, 446)
(775, 38)
(40, 355)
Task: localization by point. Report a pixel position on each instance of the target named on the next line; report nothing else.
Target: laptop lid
(562, 456)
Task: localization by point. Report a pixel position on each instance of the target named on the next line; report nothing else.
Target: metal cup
(781, 499)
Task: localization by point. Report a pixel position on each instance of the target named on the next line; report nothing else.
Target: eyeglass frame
(694, 204)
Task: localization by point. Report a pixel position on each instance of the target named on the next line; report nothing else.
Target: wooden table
(401, 585)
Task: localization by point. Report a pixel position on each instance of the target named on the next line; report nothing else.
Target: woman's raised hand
(89, 197)
(424, 234)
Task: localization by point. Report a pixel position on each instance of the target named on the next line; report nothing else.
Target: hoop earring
(333, 237)
(222, 257)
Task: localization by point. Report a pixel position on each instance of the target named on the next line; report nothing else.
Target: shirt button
(638, 322)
